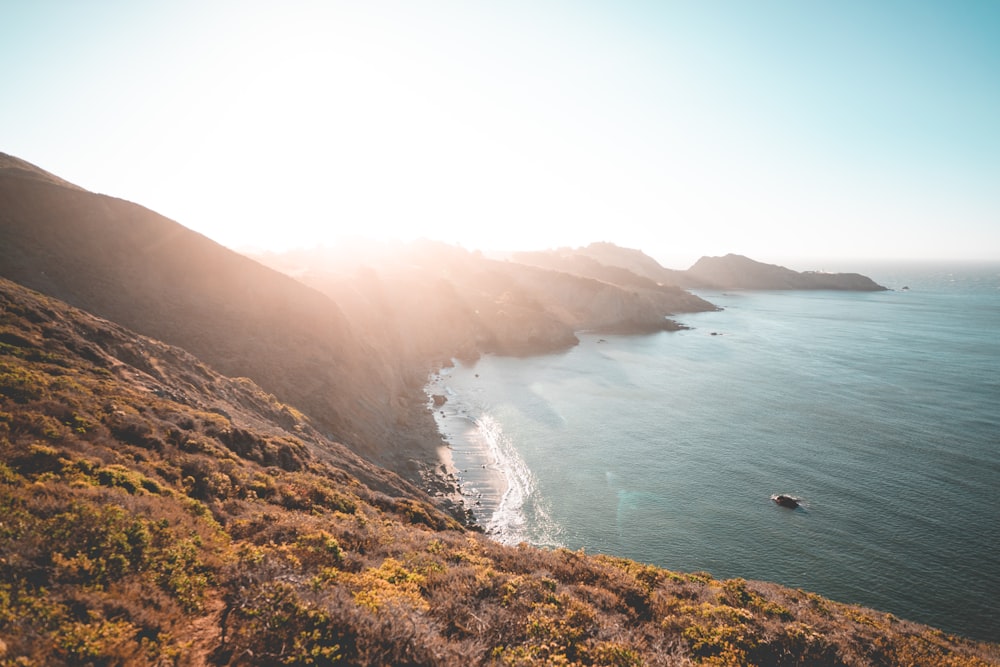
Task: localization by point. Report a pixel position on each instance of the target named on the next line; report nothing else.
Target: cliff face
(428, 302)
(593, 304)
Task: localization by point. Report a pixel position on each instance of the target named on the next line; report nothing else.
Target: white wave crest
(508, 506)
(509, 523)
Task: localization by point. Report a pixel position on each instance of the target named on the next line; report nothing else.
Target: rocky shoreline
(466, 480)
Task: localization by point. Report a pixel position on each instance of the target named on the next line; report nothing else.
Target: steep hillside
(155, 512)
(133, 266)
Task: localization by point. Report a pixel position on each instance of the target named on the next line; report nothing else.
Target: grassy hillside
(153, 511)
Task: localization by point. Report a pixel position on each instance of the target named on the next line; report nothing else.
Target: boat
(786, 500)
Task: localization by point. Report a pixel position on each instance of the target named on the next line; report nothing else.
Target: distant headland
(728, 272)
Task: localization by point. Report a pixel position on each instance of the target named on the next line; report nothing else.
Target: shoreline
(477, 476)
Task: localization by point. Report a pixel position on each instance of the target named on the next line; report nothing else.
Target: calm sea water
(880, 410)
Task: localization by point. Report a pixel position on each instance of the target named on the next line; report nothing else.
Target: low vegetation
(153, 512)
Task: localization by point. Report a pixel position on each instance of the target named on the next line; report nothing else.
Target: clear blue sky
(774, 128)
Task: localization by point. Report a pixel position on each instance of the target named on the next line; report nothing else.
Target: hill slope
(156, 512)
(132, 266)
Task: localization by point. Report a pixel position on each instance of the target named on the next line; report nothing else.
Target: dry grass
(188, 519)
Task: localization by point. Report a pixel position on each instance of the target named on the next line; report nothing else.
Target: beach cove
(878, 409)
(492, 481)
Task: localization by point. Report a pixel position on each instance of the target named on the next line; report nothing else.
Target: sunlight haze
(773, 129)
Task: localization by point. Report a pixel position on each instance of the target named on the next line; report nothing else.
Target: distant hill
(432, 301)
(728, 272)
(738, 272)
(156, 512)
(635, 261)
(628, 269)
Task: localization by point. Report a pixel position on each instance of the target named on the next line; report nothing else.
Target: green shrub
(20, 384)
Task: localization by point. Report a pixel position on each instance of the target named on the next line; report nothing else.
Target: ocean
(880, 410)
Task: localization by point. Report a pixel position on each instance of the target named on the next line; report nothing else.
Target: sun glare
(680, 129)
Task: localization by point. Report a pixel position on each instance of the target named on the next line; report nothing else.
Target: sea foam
(494, 479)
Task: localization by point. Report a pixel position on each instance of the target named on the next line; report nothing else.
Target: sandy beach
(469, 457)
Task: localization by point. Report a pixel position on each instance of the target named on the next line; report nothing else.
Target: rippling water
(880, 410)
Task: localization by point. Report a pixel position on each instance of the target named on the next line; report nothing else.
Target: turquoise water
(880, 410)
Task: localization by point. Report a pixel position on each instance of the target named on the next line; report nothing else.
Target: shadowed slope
(131, 265)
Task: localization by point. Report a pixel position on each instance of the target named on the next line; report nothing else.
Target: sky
(777, 129)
